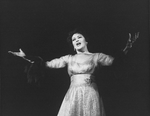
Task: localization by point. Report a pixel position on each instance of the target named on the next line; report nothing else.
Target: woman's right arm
(58, 62)
(55, 63)
(36, 68)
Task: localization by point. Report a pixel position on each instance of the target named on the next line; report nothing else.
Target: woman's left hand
(130, 41)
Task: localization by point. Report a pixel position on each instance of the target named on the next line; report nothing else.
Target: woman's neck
(84, 50)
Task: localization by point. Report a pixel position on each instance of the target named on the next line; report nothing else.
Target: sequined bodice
(81, 64)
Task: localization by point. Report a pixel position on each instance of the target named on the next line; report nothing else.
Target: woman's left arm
(103, 59)
(118, 58)
(107, 60)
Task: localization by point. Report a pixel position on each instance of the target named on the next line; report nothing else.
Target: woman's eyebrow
(79, 36)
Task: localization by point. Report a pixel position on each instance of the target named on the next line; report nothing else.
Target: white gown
(82, 97)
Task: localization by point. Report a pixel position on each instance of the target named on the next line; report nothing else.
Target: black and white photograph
(74, 58)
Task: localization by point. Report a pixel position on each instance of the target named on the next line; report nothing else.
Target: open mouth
(78, 44)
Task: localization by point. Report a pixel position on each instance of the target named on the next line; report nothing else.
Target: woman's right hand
(20, 53)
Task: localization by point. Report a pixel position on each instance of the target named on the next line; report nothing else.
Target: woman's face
(78, 41)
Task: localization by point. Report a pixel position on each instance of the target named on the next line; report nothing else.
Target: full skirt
(82, 100)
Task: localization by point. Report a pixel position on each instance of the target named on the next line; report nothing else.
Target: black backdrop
(41, 27)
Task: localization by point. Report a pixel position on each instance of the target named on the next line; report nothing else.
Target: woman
(82, 98)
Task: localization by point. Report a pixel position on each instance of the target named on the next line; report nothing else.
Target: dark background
(41, 27)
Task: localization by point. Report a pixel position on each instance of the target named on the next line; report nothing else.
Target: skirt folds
(82, 100)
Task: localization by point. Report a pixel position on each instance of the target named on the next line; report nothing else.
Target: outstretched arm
(37, 65)
(55, 63)
(36, 68)
(120, 68)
